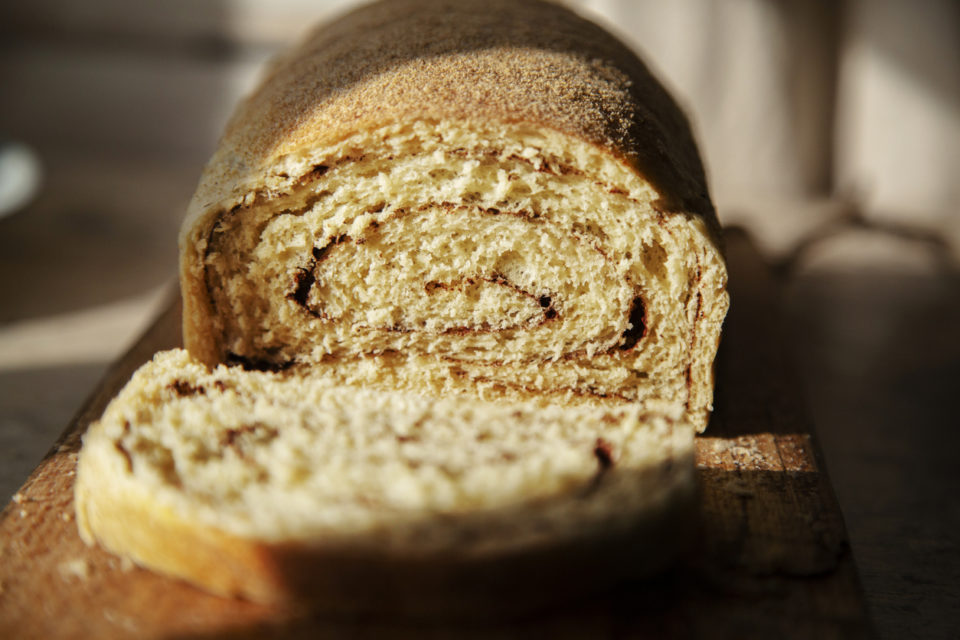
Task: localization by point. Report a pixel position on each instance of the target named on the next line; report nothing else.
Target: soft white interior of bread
(282, 458)
(506, 261)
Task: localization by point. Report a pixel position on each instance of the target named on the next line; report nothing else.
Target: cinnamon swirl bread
(493, 198)
(280, 487)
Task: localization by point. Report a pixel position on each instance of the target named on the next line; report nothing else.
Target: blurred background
(830, 130)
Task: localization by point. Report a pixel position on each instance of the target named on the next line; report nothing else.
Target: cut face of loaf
(434, 196)
(275, 486)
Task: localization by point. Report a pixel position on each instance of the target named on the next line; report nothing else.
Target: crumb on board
(119, 619)
(77, 568)
(121, 563)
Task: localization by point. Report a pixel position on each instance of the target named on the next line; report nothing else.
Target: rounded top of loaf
(528, 62)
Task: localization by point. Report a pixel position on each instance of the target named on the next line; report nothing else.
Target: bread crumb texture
(280, 457)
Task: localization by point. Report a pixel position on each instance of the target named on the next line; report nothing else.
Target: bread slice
(491, 198)
(279, 487)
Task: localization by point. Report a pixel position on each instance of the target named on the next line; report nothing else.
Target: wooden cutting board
(772, 561)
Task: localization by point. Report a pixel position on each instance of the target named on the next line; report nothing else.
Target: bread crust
(490, 61)
(120, 515)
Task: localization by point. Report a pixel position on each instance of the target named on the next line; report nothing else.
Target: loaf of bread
(449, 196)
(281, 487)
(452, 293)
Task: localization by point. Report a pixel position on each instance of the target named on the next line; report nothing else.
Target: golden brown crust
(128, 522)
(120, 513)
(330, 580)
(496, 60)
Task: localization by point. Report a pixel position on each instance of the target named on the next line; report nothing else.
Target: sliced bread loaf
(464, 256)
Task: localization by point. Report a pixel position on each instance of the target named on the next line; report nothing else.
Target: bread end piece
(404, 525)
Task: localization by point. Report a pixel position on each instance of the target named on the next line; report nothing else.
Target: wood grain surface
(772, 558)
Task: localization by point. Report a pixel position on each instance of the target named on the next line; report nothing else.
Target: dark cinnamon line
(318, 171)
(546, 303)
(693, 332)
(118, 445)
(320, 254)
(184, 389)
(306, 277)
(256, 364)
(230, 436)
(638, 325)
(603, 450)
(396, 214)
(126, 455)
(303, 281)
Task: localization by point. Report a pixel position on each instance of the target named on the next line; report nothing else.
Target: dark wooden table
(772, 559)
